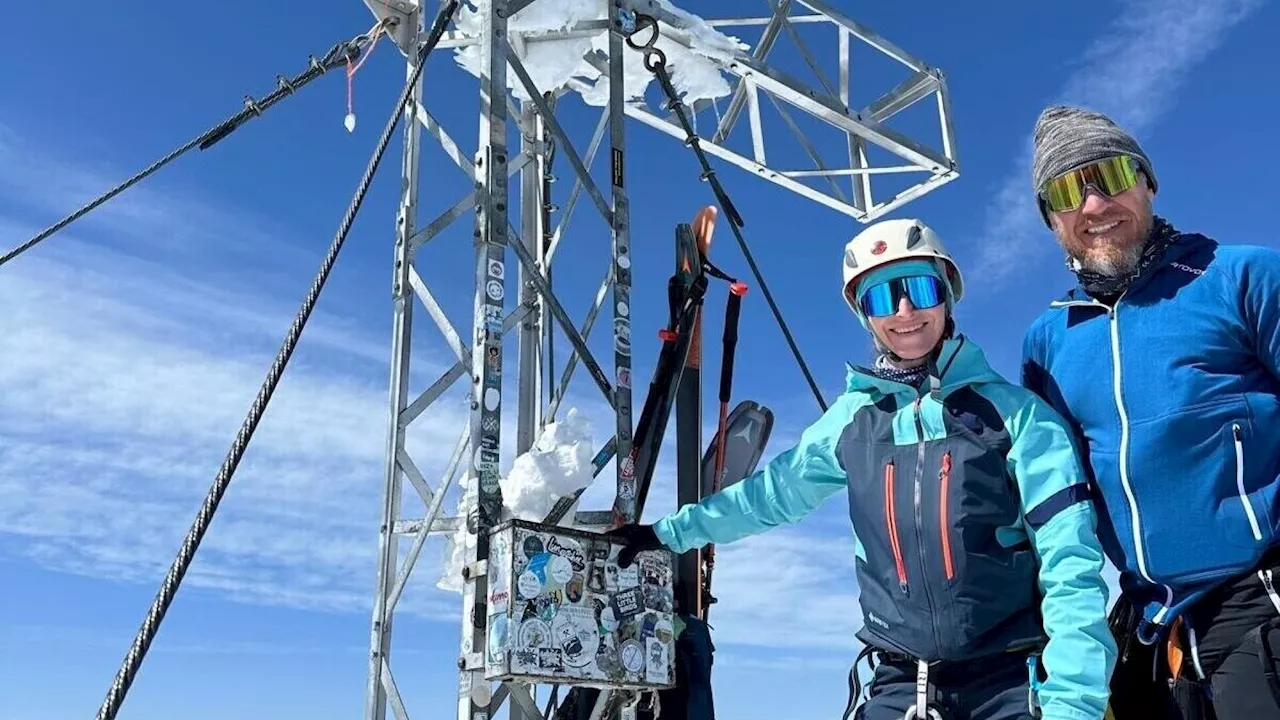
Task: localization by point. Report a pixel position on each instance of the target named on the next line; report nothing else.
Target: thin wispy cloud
(1132, 72)
(125, 380)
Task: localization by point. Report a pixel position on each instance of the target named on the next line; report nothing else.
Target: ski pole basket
(560, 610)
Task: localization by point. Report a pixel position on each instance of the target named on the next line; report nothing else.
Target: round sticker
(532, 545)
(559, 569)
(529, 585)
(533, 634)
(631, 653)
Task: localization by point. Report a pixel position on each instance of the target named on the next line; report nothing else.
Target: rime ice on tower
(558, 464)
(562, 63)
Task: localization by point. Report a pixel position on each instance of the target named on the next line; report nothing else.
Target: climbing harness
(633, 23)
(341, 54)
(923, 709)
(926, 706)
(855, 683)
(169, 587)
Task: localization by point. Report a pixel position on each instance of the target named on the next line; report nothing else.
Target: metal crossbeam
(760, 92)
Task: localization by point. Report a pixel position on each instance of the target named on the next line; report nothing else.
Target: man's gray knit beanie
(1068, 137)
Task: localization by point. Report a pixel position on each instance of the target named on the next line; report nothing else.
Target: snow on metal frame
(572, 30)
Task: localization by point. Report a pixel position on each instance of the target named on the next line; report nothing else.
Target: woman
(976, 552)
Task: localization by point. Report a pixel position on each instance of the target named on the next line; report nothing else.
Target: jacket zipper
(1113, 321)
(944, 477)
(920, 519)
(1244, 497)
(891, 522)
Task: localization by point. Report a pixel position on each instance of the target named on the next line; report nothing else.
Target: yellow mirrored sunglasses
(1109, 176)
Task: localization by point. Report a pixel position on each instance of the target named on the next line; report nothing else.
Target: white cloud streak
(124, 381)
(1132, 72)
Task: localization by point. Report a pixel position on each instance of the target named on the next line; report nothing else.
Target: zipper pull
(1235, 431)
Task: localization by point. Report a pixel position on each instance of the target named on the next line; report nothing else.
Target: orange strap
(1173, 650)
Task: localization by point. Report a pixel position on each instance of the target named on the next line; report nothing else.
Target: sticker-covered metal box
(560, 610)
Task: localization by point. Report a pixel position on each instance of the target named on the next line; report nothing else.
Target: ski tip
(704, 224)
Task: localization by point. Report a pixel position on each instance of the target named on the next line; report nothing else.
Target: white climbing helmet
(890, 240)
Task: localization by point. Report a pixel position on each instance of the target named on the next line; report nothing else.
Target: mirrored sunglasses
(883, 299)
(1110, 176)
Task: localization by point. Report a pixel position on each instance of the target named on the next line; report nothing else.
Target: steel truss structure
(479, 354)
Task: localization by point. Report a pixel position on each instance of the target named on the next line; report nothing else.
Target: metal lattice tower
(479, 355)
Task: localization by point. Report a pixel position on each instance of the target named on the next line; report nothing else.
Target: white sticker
(494, 290)
(629, 576)
(534, 633)
(632, 656)
(559, 569)
(575, 632)
(529, 585)
(624, 261)
(491, 398)
(623, 309)
(656, 662)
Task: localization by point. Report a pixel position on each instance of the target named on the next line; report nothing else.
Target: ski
(689, 565)
(732, 455)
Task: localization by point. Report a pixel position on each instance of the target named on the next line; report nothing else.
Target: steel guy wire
(339, 55)
(169, 587)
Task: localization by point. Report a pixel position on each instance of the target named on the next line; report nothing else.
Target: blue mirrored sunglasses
(924, 292)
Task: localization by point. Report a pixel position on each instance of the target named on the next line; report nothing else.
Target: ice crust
(557, 465)
(555, 65)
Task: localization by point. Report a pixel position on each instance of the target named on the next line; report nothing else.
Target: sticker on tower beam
(491, 398)
(494, 290)
(622, 335)
(492, 317)
(496, 269)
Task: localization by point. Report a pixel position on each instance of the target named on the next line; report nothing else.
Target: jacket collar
(1185, 244)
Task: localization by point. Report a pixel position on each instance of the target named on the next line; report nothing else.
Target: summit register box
(560, 610)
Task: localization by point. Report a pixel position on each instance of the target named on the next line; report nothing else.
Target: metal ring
(911, 713)
(643, 22)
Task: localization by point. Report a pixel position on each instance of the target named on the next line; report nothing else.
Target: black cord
(656, 62)
(339, 55)
(169, 588)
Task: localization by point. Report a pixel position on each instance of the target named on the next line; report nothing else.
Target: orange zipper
(945, 477)
(891, 520)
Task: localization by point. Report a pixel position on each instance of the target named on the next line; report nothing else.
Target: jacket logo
(872, 617)
(879, 247)
(1187, 268)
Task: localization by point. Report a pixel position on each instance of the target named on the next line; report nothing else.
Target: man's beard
(1112, 259)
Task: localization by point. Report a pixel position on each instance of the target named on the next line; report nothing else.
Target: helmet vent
(914, 236)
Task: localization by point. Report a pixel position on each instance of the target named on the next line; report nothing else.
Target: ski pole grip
(732, 309)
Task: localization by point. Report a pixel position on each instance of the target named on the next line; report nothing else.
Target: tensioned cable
(339, 55)
(169, 587)
(655, 61)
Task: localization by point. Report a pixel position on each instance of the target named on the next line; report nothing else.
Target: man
(1166, 362)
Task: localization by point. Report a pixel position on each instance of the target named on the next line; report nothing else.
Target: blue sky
(134, 342)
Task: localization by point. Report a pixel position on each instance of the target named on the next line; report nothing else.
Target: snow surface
(557, 465)
(555, 65)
